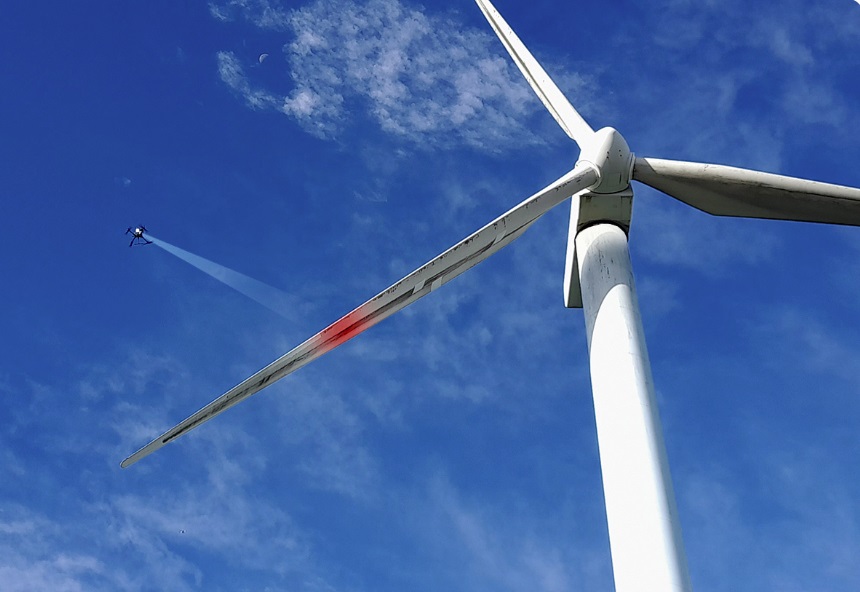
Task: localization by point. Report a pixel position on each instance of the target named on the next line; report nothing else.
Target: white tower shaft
(644, 531)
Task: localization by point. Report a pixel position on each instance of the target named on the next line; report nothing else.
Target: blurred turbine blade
(462, 256)
(567, 117)
(729, 191)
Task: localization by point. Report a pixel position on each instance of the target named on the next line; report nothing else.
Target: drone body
(137, 236)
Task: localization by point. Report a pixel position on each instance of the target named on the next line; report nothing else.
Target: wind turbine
(644, 531)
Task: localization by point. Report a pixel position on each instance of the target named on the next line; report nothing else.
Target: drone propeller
(467, 253)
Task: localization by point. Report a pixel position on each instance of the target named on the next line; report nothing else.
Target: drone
(137, 236)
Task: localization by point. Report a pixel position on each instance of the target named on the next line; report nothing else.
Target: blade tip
(127, 462)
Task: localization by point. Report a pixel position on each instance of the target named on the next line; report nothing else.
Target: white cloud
(785, 48)
(785, 515)
(262, 13)
(231, 72)
(722, 68)
(325, 435)
(496, 549)
(37, 553)
(672, 234)
(420, 77)
(796, 336)
(126, 530)
(228, 521)
(808, 102)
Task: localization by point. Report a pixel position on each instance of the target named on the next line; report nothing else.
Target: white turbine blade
(567, 117)
(729, 191)
(462, 256)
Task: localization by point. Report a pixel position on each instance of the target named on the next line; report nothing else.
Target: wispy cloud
(118, 536)
(420, 77)
(325, 435)
(786, 516)
(233, 75)
(226, 521)
(809, 343)
(38, 553)
(672, 234)
(262, 13)
(761, 77)
(493, 549)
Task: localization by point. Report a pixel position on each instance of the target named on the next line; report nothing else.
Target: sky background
(451, 447)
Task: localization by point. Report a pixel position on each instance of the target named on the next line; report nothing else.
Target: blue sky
(451, 447)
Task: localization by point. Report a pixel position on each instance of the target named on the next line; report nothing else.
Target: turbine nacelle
(608, 152)
(609, 200)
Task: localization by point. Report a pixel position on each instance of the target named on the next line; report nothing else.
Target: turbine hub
(608, 152)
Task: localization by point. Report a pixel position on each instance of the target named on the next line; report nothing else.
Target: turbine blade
(728, 191)
(567, 117)
(462, 256)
